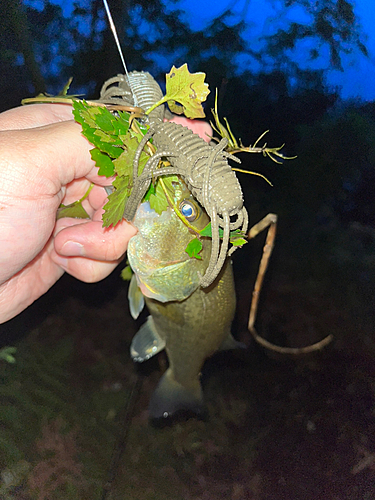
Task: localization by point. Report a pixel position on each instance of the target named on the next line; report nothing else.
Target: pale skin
(45, 161)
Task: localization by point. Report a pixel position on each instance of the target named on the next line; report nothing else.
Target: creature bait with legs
(203, 167)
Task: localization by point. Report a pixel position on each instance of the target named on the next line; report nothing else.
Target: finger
(35, 115)
(75, 190)
(87, 270)
(94, 201)
(56, 155)
(97, 197)
(70, 151)
(28, 284)
(91, 240)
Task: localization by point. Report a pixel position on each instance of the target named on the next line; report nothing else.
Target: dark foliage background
(321, 279)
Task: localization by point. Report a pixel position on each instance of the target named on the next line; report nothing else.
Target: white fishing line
(114, 31)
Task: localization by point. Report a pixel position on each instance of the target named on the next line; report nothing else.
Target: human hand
(45, 161)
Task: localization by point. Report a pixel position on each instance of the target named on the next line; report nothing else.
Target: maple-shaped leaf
(124, 163)
(115, 206)
(185, 92)
(102, 161)
(187, 89)
(99, 126)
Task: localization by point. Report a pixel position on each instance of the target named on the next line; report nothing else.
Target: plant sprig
(234, 147)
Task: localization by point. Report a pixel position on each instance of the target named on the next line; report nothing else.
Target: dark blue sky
(263, 17)
(358, 77)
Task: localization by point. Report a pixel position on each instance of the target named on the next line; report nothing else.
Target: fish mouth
(164, 280)
(157, 255)
(145, 260)
(175, 281)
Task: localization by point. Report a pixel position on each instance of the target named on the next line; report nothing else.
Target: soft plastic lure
(204, 167)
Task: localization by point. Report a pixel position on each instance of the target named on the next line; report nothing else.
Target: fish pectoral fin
(146, 342)
(173, 400)
(230, 343)
(136, 298)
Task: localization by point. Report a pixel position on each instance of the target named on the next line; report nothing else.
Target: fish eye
(188, 210)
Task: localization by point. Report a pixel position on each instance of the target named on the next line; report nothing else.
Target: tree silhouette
(49, 45)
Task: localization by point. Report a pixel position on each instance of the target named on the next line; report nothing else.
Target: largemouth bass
(190, 322)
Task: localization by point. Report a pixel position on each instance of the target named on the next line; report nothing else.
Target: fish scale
(191, 328)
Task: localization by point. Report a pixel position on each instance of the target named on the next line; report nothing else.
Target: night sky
(263, 17)
(358, 77)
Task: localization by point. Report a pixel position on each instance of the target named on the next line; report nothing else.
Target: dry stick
(121, 444)
(270, 221)
(135, 111)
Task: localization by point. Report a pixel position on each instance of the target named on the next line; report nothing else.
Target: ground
(279, 428)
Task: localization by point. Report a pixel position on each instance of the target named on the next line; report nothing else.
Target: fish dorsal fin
(146, 342)
(136, 298)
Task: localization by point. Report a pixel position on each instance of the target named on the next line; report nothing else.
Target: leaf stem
(178, 213)
(252, 173)
(162, 101)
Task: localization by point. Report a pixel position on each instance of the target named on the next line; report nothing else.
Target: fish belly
(192, 330)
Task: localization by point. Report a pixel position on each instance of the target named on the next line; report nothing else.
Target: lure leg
(270, 221)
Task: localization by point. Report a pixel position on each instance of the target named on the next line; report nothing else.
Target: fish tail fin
(173, 401)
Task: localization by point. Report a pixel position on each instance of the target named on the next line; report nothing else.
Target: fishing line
(114, 32)
(120, 447)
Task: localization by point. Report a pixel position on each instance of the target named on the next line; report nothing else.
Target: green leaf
(151, 190)
(206, 231)
(104, 162)
(124, 163)
(127, 273)
(100, 127)
(236, 237)
(157, 198)
(121, 124)
(238, 241)
(114, 208)
(187, 90)
(74, 210)
(104, 137)
(193, 248)
(104, 119)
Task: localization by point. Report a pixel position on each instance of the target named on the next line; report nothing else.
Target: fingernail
(72, 248)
